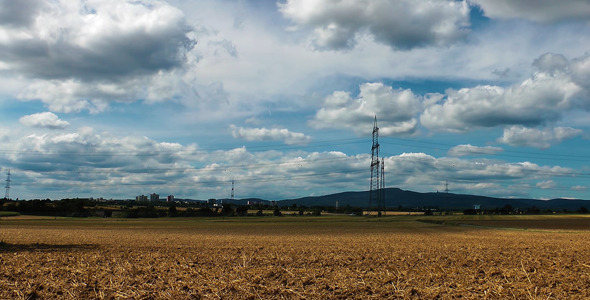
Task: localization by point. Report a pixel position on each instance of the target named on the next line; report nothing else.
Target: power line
(251, 179)
(502, 153)
(421, 145)
(155, 152)
(304, 162)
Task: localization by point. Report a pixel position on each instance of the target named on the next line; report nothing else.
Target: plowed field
(288, 258)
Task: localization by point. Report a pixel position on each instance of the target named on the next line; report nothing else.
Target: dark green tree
(172, 211)
(277, 212)
(227, 211)
(242, 210)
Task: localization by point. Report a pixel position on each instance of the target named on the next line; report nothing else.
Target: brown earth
(545, 223)
(287, 258)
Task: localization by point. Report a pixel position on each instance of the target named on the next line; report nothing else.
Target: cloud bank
(87, 163)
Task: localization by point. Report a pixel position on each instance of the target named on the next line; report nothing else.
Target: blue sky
(120, 98)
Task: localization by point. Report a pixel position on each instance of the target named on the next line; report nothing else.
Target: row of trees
(226, 210)
(80, 207)
(129, 209)
(64, 207)
(509, 210)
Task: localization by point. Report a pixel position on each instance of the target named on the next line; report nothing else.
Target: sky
(119, 98)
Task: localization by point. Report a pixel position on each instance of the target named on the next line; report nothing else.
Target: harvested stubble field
(288, 257)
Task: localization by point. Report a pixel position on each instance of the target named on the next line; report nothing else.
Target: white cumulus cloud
(396, 110)
(272, 134)
(579, 188)
(557, 87)
(96, 39)
(536, 10)
(465, 150)
(86, 52)
(548, 184)
(423, 172)
(44, 120)
(401, 24)
(538, 138)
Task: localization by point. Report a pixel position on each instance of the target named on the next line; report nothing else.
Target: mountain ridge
(398, 198)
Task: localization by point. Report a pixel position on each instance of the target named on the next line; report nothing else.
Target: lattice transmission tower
(376, 191)
(232, 189)
(7, 195)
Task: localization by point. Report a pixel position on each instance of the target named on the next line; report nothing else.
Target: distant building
(170, 198)
(141, 198)
(154, 197)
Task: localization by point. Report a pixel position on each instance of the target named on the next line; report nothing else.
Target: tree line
(85, 207)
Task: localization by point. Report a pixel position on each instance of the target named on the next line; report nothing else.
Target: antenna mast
(7, 195)
(447, 195)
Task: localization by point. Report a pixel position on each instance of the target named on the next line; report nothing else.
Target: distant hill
(395, 198)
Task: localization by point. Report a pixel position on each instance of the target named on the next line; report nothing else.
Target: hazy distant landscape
(347, 203)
